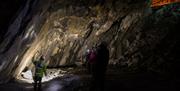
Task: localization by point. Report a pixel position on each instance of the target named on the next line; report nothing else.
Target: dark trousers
(89, 67)
(97, 84)
(37, 83)
(98, 77)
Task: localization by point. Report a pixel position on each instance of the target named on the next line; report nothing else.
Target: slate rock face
(62, 30)
(8, 14)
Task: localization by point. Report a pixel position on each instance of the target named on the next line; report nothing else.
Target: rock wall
(19, 36)
(62, 30)
(8, 14)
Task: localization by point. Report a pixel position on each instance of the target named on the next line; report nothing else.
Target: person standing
(92, 58)
(38, 72)
(100, 66)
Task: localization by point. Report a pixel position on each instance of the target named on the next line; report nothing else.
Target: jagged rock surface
(62, 30)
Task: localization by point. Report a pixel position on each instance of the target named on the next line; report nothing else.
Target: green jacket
(39, 69)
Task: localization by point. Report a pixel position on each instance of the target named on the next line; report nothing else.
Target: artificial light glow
(156, 3)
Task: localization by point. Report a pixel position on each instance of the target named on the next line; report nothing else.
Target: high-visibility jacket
(40, 68)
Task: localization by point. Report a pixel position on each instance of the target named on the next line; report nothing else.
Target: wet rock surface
(79, 80)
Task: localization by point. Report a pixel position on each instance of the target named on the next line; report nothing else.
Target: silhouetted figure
(38, 72)
(86, 59)
(99, 67)
(91, 59)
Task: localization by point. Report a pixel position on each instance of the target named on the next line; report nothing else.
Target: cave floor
(79, 80)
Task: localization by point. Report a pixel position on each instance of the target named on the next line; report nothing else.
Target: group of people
(96, 62)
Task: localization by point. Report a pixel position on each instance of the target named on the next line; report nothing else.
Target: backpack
(92, 56)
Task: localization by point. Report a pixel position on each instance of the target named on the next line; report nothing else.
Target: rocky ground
(77, 79)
